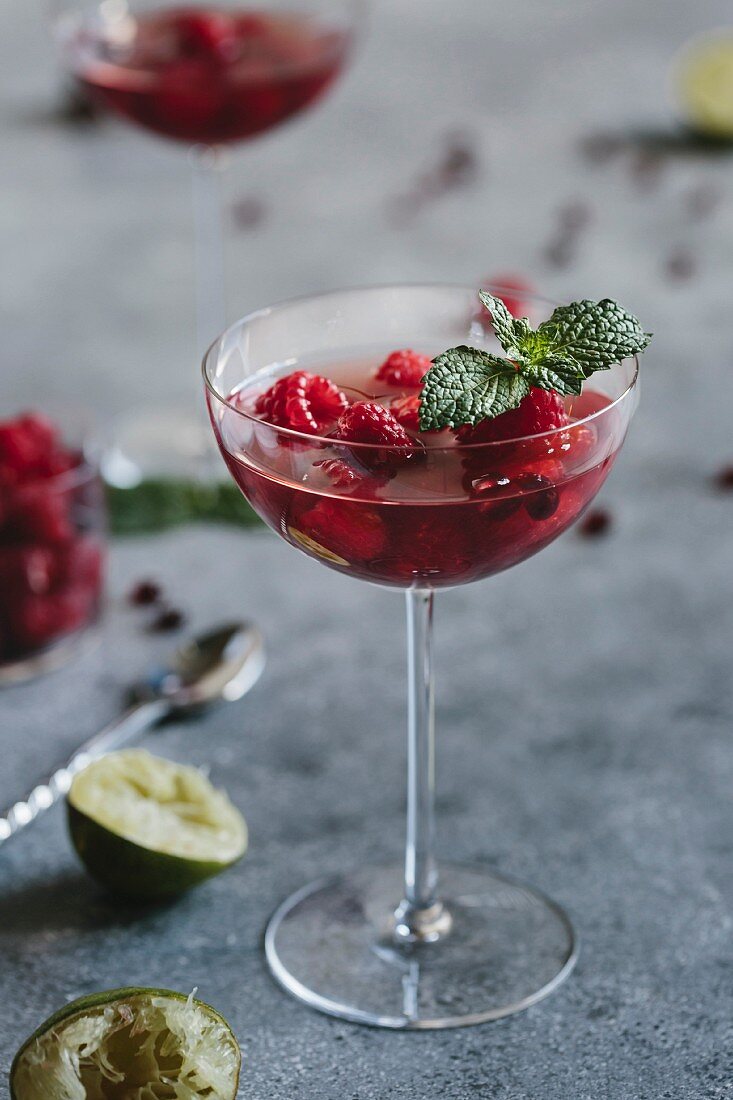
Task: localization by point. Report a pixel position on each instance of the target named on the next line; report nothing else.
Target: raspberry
(18, 449)
(302, 401)
(265, 99)
(207, 33)
(187, 98)
(57, 462)
(36, 620)
(404, 368)
(353, 531)
(540, 411)
(367, 422)
(80, 562)
(25, 569)
(340, 474)
(41, 516)
(406, 411)
(432, 549)
(515, 302)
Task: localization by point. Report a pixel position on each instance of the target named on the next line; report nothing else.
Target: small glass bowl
(53, 549)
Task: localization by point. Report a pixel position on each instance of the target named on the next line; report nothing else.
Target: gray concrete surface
(598, 766)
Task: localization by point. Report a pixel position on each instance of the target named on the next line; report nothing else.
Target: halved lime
(705, 80)
(149, 828)
(129, 1044)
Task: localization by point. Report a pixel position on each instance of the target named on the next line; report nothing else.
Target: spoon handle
(129, 725)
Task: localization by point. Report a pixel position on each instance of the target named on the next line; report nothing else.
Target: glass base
(48, 660)
(332, 945)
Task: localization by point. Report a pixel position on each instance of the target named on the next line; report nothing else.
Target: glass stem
(208, 164)
(420, 917)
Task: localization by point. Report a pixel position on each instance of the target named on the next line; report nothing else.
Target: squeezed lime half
(146, 827)
(129, 1044)
(705, 84)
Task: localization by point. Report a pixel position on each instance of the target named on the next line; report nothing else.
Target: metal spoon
(222, 664)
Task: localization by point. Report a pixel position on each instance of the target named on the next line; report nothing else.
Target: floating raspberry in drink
(340, 474)
(540, 411)
(434, 549)
(350, 530)
(406, 411)
(303, 402)
(405, 369)
(207, 33)
(367, 422)
(515, 292)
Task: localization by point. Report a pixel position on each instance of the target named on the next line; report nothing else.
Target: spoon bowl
(221, 665)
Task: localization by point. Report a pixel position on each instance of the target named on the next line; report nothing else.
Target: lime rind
(149, 828)
(705, 84)
(153, 802)
(129, 1044)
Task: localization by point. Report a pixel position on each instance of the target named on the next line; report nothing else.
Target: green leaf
(158, 504)
(594, 334)
(466, 385)
(510, 332)
(557, 372)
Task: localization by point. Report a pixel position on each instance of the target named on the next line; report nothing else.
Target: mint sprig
(466, 385)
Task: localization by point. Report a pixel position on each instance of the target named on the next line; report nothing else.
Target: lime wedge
(129, 1044)
(705, 81)
(148, 828)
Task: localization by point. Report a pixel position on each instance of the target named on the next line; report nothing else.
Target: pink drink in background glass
(208, 75)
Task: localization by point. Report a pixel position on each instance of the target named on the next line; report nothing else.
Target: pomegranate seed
(169, 619)
(145, 593)
(595, 523)
(724, 478)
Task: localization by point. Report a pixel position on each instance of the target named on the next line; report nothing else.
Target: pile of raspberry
(50, 568)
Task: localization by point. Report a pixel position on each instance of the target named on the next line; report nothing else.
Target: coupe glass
(208, 74)
(404, 946)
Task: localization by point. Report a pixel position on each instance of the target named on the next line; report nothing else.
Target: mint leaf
(557, 372)
(594, 334)
(510, 332)
(466, 385)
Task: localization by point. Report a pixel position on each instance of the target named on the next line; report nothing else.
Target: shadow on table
(70, 901)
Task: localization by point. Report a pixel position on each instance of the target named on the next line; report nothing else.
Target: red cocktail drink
(434, 511)
(207, 75)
